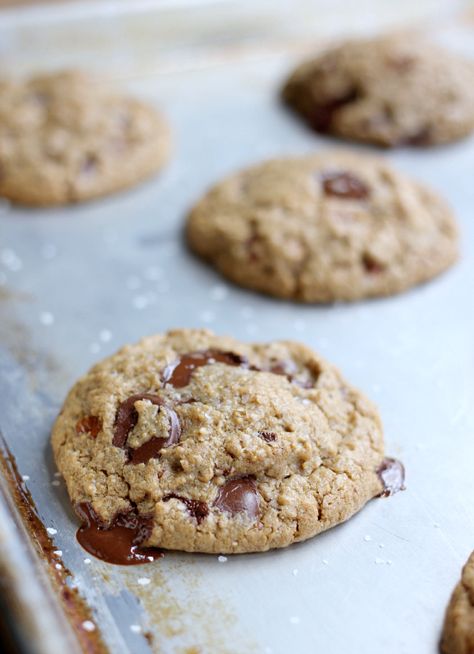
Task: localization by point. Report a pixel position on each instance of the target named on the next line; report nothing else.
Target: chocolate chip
(391, 473)
(419, 138)
(343, 184)
(237, 496)
(89, 425)
(268, 436)
(118, 542)
(196, 508)
(371, 265)
(127, 417)
(400, 63)
(322, 115)
(179, 373)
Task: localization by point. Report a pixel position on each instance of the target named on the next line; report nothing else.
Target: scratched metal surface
(78, 282)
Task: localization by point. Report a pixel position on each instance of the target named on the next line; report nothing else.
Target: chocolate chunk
(371, 265)
(196, 508)
(268, 436)
(401, 63)
(238, 495)
(89, 425)
(420, 138)
(126, 419)
(322, 115)
(392, 475)
(178, 373)
(120, 541)
(343, 184)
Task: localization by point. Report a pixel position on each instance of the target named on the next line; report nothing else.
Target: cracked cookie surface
(392, 90)
(330, 226)
(458, 632)
(221, 446)
(64, 137)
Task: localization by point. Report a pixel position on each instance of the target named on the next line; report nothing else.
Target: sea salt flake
(88, 625)
(52, 531)
(326, 562)
(219, 293)
(222, 559)
(46, 318)
(26, 477)
(87, 561)
(135, 628)
(58, 566)
(143, 581)
(58, 552)
(105, 335)
(367, 538)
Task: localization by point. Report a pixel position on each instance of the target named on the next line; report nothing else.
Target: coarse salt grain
(135, 628)
(143, 581)
(52, 531)
(26, 477)
(222, 559)
(58, 552)
(46, 318)
(88, 625)
(87, 561)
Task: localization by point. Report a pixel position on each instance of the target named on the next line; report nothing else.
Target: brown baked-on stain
(74, 606)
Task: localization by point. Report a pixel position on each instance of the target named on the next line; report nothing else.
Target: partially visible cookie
(458, 632)
(332, 226)
(65, 138)
(392, 90)
(203, 443)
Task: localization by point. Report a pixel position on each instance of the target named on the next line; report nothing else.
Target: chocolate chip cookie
(392, 90)
(332, 226)
(64, 137)
(458, 632)
(196, 442)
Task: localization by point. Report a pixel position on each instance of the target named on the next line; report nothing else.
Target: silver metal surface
(78, 282)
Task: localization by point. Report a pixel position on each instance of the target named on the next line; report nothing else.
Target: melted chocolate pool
(178, 373)
(119, 542)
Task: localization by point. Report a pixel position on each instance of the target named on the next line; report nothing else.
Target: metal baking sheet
(78, 282)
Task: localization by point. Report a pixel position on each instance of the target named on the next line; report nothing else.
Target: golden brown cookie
(331, 226)
(458, 632)
(392, 90)
(66, 138)
(197, 442)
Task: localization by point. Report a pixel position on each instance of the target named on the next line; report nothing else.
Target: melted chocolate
(371, 266)
(420, 138)
(343, 184)
(322, 115)
(118, 542)
(392, 475)
(196, 508)
(126, 419)
(178, 373)
(268, 436)
(238, 495)
(89, 425)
